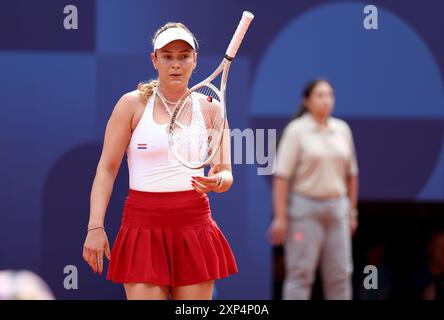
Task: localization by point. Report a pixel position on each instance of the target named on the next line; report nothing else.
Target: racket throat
(228, 57)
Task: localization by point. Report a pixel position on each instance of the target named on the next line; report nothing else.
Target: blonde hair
(146, 88)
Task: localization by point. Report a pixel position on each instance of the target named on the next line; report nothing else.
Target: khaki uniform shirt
(318, 160)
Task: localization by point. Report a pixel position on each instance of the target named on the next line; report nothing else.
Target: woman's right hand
(96, 244)
(278, 230)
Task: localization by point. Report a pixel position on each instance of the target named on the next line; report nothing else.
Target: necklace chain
(165, 99)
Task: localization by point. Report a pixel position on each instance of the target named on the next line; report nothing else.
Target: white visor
(172, 34)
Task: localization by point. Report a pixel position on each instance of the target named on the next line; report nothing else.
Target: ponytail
(146, 89)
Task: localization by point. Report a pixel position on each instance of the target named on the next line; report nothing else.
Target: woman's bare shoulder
(128, 104)
(131, 99)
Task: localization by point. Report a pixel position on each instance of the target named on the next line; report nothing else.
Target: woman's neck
(172, 94)
(320, 119)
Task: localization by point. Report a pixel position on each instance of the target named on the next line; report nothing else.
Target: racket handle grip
(239, 34)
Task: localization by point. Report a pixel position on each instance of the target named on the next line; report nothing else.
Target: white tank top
(152, 167)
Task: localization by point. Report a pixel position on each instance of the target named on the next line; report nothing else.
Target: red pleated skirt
(169, 238)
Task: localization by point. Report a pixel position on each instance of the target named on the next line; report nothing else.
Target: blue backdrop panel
(38, 25)
(389, 90)
(48, 107)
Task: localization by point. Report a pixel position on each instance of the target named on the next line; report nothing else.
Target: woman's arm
(281, 188)
(352, 173)
(352, 184)
(286, 161)
(220, 177)
(279, 226)
(224, 169)
(117, 136)
(225, 177)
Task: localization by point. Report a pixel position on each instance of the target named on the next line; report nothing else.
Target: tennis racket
(198, 119)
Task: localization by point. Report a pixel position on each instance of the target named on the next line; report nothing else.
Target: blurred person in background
(315, 189)
(23, 285)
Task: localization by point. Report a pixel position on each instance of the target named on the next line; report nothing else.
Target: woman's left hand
(207, 184)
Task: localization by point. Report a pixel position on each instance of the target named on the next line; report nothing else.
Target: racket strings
(197, 129)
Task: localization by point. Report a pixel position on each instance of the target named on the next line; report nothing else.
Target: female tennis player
(168, 243)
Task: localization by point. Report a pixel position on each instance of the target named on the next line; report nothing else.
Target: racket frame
(224, 67)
